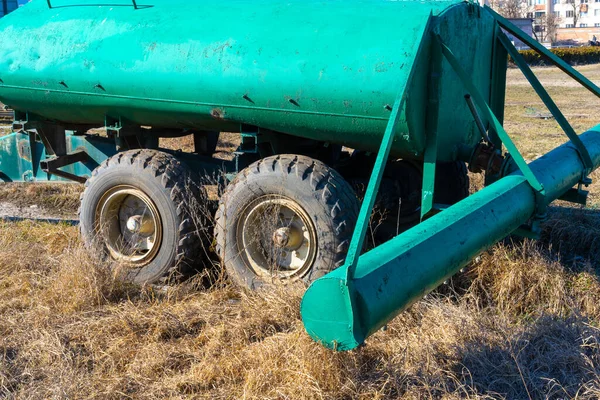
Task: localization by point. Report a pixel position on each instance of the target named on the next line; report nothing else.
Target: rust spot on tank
(217, 113)
(24, 150)
(381, 67)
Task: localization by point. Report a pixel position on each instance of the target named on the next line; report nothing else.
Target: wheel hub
(288, 238)
(130, 225)
(277, 237)
(142, 225)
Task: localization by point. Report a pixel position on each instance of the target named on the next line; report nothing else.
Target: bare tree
(575, 5)
(546, 28)
(552, 21)
(512, 8)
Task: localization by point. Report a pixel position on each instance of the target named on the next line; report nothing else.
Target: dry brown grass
(58, 199)
(522, 321)
(523, 325)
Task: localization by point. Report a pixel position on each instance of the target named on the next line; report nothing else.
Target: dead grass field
(521, 322)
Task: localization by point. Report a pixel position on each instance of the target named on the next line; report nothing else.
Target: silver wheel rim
(129, 224)
(277, 238)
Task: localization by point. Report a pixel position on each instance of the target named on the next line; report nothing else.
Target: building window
(583, 14)
(569, 13)
(558, 1)
(540, 1)
(569, 26)
(557, 13)
(585, 1)
(597, 12)
(583, 25)
(539, 14)
(597, 24)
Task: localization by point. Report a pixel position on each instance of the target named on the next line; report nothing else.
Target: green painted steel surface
(19, 164)
(326, 70)
(394, 275)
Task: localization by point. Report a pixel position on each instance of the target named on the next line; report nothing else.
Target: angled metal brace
(364, 217)
(545, 97)
(489, 116)
(538, 48)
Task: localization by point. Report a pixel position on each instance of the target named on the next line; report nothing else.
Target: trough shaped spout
(341, 313)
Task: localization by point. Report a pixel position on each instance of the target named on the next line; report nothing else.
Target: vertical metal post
(134, 4)
(431, 128)
(49, 5)
(5, 7)
(498, 87)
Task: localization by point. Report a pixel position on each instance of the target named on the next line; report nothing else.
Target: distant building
(563, 22)
(7, 6)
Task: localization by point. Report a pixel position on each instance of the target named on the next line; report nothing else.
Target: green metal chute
(391, 277)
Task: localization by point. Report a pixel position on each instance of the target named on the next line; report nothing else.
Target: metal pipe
(342, 314)
(477, 118)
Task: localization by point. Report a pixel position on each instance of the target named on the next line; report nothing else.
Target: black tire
(166, 182)
(451, 182)
(322, 193)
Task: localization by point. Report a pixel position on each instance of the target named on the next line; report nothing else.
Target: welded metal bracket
(113, 126)
(52, 165)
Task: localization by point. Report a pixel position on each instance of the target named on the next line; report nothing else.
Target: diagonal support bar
(545, 97)
(489, 116)
(538, 48)
(364, 217)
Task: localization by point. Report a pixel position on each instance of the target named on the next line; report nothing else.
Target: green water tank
(324, 70)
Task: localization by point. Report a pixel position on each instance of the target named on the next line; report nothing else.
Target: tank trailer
(403, 96)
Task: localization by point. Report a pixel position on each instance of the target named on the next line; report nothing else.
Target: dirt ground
(522, 321)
